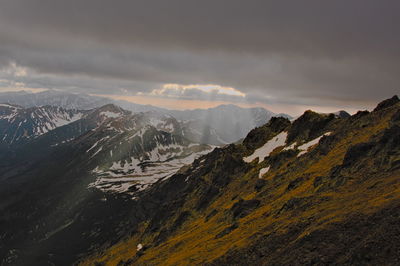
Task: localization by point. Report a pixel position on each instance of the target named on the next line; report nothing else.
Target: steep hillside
(73, 189)
(123, 149)
(130, 152)
(321, 190)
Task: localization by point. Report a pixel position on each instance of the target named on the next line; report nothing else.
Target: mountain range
(19, 124)
(109, 186)
(220, 125)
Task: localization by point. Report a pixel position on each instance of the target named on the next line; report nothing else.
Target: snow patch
(110, 114)
(290, 147)
(264, 151)
(129, 177)
(263, 171)
(304, 148)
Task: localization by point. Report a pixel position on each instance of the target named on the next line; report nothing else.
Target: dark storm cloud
(309, 51)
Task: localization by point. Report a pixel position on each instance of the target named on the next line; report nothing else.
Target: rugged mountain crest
(387, 103)
(324, 190)
(70, 174)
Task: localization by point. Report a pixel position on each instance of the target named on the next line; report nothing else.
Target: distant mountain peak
(112, 108)
(342, 114)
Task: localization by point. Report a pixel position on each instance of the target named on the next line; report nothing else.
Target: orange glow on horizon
(184, 104)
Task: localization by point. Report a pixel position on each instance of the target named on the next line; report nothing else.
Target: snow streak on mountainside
(136, 175)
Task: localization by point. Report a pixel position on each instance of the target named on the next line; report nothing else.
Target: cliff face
(320, 190)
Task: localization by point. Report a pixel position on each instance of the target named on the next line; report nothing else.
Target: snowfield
(136, 175)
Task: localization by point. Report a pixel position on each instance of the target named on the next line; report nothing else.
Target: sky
(286, 56)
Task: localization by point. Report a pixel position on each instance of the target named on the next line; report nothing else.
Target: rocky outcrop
(387, 103)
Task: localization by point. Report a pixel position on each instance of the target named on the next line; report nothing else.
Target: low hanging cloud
(206, 92)
(293, 52)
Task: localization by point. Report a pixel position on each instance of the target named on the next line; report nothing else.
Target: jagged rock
(309, 126)
(387, 103)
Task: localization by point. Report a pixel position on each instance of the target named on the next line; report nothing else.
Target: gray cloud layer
(303, 52)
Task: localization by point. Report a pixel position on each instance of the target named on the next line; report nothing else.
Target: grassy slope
(205, 238)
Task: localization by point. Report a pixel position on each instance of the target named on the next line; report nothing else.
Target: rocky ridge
(328, 195)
